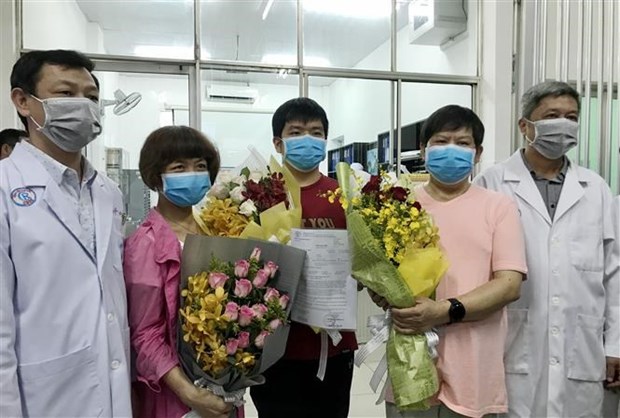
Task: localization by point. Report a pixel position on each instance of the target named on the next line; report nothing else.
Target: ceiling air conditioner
(231, 94)
(434, 22)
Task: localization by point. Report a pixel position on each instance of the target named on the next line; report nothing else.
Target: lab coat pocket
(586, 252)
(586, 360)
(66, 386)
(516, 357)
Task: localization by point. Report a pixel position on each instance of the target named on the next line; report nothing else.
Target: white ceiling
(235, 30)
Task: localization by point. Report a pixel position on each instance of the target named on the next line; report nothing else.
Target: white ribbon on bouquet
(326, 334)
(379, 326)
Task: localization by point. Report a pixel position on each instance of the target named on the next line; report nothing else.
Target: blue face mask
(186, 189)
(304, 153)
(450, 164)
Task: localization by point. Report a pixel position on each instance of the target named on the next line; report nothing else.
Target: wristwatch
(456, 312)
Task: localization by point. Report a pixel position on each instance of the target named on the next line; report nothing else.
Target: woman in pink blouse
(179, 163)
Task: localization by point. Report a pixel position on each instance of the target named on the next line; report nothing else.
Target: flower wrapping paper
(411, 369)
(198, 252)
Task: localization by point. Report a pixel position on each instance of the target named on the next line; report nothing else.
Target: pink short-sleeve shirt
(481, 233)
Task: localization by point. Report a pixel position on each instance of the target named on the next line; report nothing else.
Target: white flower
(256, 176)
(219, 191)
(224, 177)
(247, 208)
(236, 194)
(239, 180)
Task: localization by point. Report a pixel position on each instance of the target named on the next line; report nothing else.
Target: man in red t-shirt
(292, 389)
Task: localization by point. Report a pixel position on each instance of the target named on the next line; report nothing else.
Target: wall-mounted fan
(122, 103)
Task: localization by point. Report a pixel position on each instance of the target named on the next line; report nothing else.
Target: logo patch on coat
(23, 196)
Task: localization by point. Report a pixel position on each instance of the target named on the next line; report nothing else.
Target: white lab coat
(64, 338)
(611, 402)
(568, 317)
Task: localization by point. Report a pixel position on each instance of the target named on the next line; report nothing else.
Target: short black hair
(171, 143)
(452, 118)
(27, 69)
(11, 136)
(301, 109)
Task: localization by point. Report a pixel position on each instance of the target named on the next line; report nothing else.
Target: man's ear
(5, 150)
(523, 126)
(479, 150)
(422, 151)
(20, 100)
(278, 145)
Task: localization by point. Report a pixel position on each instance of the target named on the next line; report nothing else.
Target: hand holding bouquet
(395, 253)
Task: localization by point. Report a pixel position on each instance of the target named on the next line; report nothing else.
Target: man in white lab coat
(563, 341)
(64, 339)
(611, 403)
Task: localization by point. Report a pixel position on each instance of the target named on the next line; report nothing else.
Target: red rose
(373, 185)
(399, 193)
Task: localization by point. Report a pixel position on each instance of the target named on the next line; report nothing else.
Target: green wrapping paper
(411, 370)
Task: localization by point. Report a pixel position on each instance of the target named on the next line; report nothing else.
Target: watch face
(457, 311)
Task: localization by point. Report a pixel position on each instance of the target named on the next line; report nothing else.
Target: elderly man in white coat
(611, 403)
(64, 338)
(563, 342)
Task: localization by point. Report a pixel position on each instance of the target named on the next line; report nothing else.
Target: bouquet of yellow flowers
(262, 204)
(233, 316)
(395, 253)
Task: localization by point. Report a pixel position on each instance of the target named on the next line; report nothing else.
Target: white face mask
(70, 122)
(554, 137)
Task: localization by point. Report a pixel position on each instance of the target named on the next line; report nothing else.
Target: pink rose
(217, 280)
(243, 287)
(284, 301)
(231, 346)
(274, 324)
(244, 339)
(245, 315)
(260, 280)
(232, 311)
(259, 310)
(271, 294)
(255, 254)
(271, 267)
(259, 341)
(241, 268)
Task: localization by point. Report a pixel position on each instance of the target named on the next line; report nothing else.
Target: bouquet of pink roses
(234, 309)
(228, 311)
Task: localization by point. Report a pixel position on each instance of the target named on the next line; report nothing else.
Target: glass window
(157, 29)
(347, 33)
(237, 109)
(359, 114)
(254, 31)
(134, 106)
(439, 37)
(419, 101)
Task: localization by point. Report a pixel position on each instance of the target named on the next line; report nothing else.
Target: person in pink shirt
(179, 163)
(482, 237)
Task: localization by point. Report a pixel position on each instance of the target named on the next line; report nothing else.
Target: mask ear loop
(530, 141)
(39, 127)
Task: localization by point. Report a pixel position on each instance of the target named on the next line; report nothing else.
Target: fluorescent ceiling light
(363, 9)
(168, 51)
(283, 59)
(267, 8)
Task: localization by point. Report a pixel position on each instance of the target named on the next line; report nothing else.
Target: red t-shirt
(318, 213)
